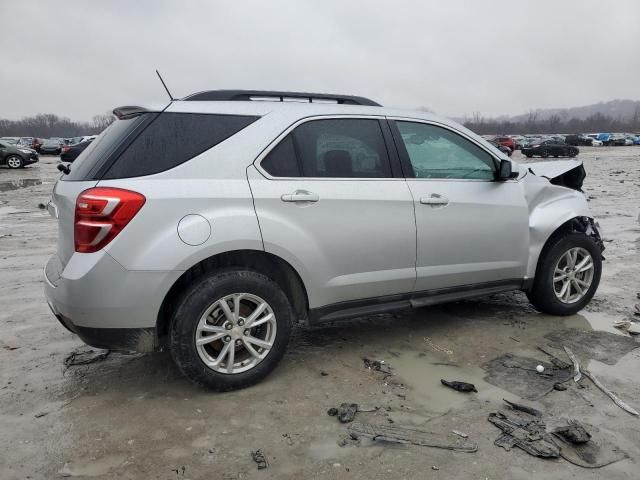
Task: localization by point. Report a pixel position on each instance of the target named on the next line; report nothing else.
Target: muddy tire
(567, 276)
(230, 329)
(14, 161)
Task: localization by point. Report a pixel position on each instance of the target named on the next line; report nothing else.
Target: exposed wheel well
(268, 264)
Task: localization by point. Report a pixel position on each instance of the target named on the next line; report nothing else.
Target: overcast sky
(80, 58)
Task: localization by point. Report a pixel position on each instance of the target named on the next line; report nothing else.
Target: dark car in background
(71, 152)
(579, 140)
(550, 148)
(51, 146)
(16, 156)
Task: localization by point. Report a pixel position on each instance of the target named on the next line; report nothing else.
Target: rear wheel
(14, 161)
(573, 153)
(544, 154)
(231, 329)
(568, 275)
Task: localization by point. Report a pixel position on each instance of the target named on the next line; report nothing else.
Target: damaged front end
(556, 203)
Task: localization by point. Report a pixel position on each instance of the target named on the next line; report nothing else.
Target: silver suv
(211, 225)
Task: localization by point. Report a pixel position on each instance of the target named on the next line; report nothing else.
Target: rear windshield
(152, 143)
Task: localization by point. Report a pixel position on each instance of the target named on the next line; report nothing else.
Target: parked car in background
(71, 152)
(10, 140)
(51, 146)
(550, 148)
(604, 138)
(506, 141)
(617, 140)
(636, 140)
(595, 142)
(218, 271)
(579, 140)
(502, 148)
(16, 156)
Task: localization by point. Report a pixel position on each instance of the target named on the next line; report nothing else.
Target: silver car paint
(361, 244)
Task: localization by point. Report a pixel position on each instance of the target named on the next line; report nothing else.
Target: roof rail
(256, 95)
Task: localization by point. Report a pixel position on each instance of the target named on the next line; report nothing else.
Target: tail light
(101, 214)
(66, 148)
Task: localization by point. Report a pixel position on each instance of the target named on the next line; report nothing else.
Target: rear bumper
(104, 304)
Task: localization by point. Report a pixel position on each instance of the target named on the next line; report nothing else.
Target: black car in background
(71, 152)
(15, 156)
(51, 146)
(550, 148)
(577, 140)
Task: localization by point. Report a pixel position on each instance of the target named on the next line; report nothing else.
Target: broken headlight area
(589, 227)
(564, 173)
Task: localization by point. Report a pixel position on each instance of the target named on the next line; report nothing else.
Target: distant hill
(624, 109)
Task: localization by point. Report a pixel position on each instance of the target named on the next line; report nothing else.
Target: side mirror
(505, 172)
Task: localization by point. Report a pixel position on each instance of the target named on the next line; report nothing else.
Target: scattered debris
(377, 365)
(459, 386)
(10, 348)
(523, 408)
(514, 339)
(539, 369)
(346, 412)
(592, 453)
(634, 328)
(396, 434)
(460, 434)
(574, 433)
(349, 441)
(636, 309)
(84, 356)
(527, 432)
(367, 408)
(323, 373)
(435, 468)
(436, 347)
(561, 387)
(555, 360)
(41, 414)
(518, 375)
(42, 206)
(609, 393)
(576, 366)
(260, 459)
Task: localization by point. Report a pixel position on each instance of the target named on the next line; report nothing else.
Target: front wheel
(568, 275)
(14, 161)
(230, 329)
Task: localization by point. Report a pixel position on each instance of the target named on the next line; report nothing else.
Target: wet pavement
(136, 417)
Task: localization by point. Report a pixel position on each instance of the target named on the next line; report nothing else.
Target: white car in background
(596, 143)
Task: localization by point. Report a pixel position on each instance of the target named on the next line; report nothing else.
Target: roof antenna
(165, 86)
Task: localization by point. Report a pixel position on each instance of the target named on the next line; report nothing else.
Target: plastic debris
(459, 386)
(525, 431)
(397, 434)
(523, 408)
(346, 412)
(377, 365)
(260, 459)
(574, 433)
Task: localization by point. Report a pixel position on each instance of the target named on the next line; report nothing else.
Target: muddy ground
(136, 417)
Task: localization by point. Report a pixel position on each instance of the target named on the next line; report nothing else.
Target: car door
(472, 230)
(329, 204)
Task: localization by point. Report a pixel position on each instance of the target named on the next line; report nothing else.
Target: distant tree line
(597, 122)
(47, 125)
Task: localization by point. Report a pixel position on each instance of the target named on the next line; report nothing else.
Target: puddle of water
(598, 321)
(20, 183)
(422, 374)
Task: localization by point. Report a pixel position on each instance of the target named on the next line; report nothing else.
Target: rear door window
(333, 148)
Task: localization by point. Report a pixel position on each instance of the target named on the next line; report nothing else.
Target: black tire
(542, 294)
(529, 155)
(193, 304)
(573, 153)
(14, 161)
(544, 154)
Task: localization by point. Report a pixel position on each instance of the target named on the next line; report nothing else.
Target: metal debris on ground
(523, 408)
(84, 356)
(260, 459)
(459, 386)
(576, 365)
(460, 434)
(377, 365)
(525, 431)
(346, 412)
(561, 387)
(396, 434)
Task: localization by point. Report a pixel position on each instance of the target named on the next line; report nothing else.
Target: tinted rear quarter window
(152, 143)
(172, 139)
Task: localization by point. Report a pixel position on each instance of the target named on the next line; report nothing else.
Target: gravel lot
(136, 417)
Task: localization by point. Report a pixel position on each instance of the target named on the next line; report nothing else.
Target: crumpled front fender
(550, 207)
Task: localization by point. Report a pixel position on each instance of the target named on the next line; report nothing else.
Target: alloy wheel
(14, 162)
(573, 275)
(235, 333)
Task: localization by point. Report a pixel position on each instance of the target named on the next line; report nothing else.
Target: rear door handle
(434, 199)
(300, 196)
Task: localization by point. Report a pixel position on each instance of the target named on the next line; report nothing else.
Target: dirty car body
(208, 226)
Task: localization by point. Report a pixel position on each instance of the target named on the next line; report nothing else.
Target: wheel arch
(578, 224)
(268, 264)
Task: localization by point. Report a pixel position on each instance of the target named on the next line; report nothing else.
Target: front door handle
(434, 199)
(300, 196)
